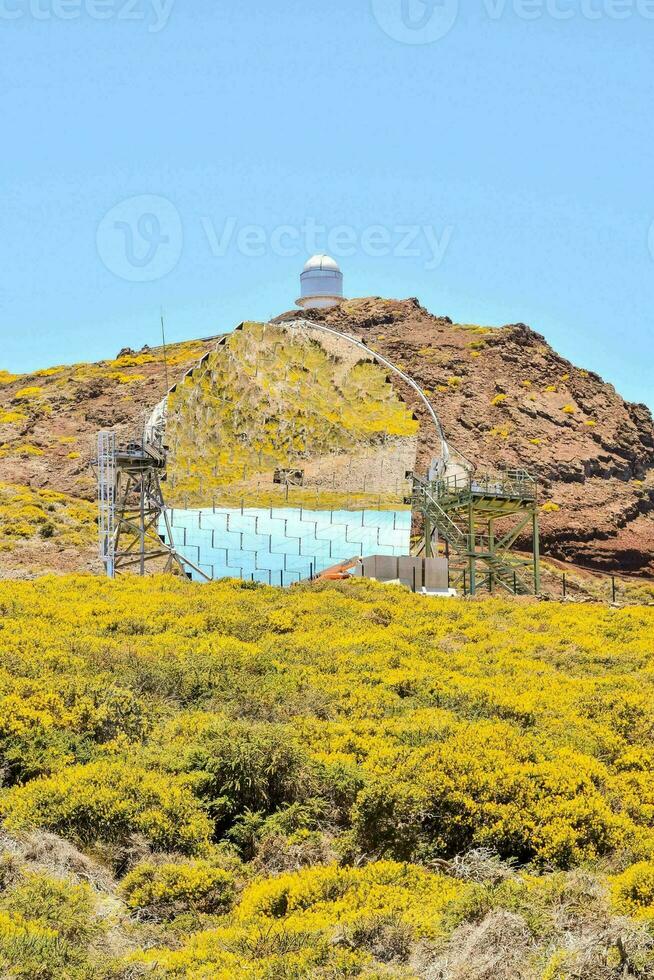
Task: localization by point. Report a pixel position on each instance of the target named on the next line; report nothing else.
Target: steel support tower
(106, 473)
(478, 518)
(131, 509)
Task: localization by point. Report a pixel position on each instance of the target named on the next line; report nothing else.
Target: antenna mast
(165, 357)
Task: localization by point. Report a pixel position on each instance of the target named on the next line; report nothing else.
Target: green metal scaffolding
(477, 519)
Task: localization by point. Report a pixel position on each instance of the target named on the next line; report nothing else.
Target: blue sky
(493, 158)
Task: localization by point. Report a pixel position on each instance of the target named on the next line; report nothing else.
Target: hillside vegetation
(230, 781)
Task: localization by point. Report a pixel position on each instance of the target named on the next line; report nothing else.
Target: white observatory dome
(321, 262)
(321, 283)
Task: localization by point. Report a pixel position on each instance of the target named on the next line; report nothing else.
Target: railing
(511, 484)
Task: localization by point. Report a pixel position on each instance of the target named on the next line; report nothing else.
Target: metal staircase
(462, 512)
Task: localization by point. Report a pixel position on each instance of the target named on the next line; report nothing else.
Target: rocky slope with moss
(503, 394)
(48, 426)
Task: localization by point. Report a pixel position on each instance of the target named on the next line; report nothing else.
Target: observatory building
(321, 283)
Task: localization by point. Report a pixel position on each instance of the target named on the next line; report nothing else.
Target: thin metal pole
(428, 546)
(471, 545)
(613, 588)
(536, 547)
(142, 526)
(565, 591)
(491, 551)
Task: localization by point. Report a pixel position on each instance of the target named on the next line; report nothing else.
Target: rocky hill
(504, 396)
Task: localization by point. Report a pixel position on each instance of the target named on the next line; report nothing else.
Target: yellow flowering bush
(26, 512)
(47, 929)
(285, 927)
(31, 391)
(291, 784)
(488, 785)
(168, 888)
(633, 890)
(23, 449)
(11, 417)
(107, 800)
(343, 894)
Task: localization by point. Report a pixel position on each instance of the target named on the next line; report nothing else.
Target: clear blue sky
(521, 140)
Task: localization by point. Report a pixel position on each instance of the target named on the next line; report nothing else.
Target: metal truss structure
(131, 508)
(479, 518)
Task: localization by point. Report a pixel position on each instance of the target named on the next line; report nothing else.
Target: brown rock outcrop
(505, 396)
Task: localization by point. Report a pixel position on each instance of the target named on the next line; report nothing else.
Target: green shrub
(58, 905)
(246, 766)
(47, 931)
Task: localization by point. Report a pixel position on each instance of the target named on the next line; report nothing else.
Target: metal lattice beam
(106, 464)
